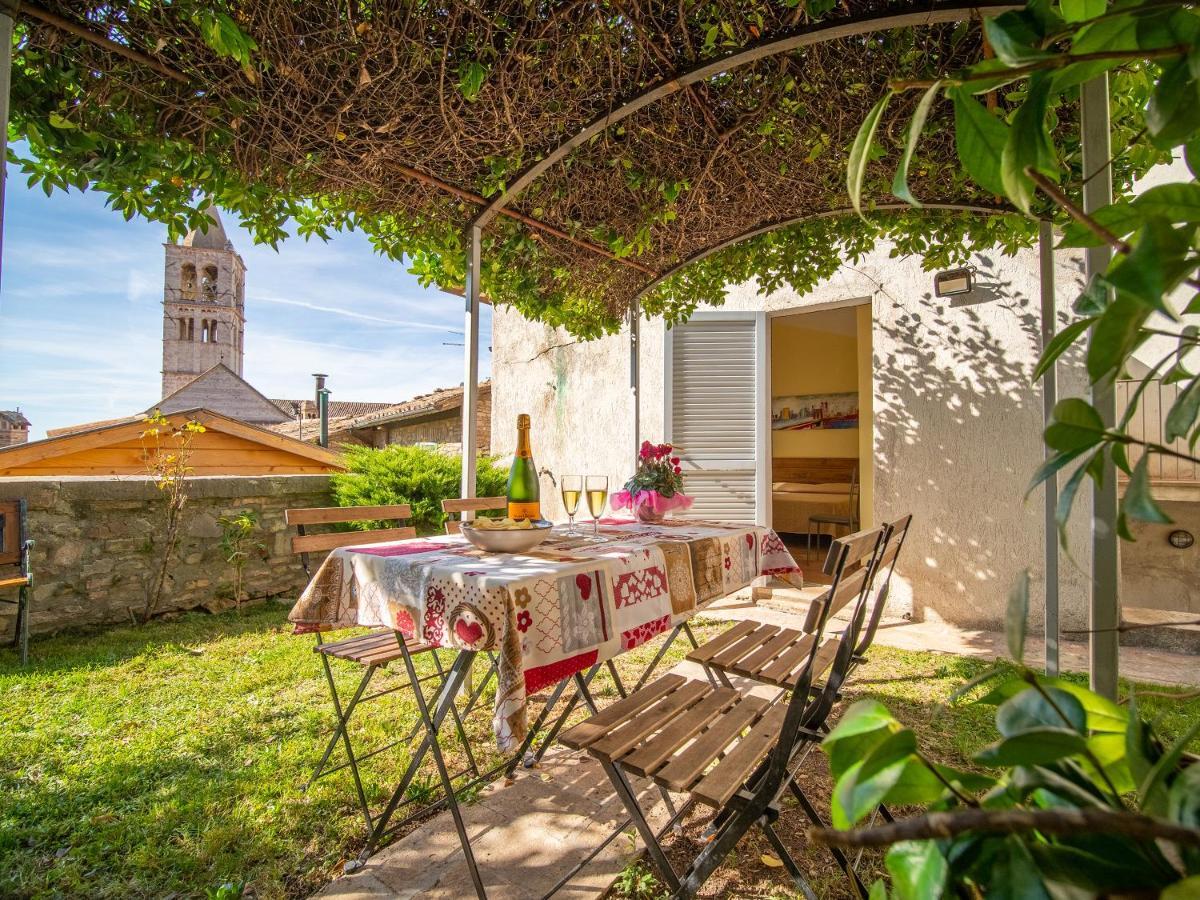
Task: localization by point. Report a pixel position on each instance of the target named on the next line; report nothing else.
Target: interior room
(820, 434)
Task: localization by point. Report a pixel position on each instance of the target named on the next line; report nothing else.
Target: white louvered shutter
(712, 414)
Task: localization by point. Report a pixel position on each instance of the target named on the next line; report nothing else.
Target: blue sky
(81, 315)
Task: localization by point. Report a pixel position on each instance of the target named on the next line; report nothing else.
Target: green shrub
(413, 475)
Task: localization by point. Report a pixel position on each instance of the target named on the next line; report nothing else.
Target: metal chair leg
(444, 775)
(21, 638)
(458, 725)
(629, 800)
(856, 883)
(789, 863)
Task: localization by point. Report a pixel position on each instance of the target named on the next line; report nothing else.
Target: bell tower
(204, 297)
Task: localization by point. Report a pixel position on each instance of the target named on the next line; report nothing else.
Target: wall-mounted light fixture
(1180, 539)
(953, 282)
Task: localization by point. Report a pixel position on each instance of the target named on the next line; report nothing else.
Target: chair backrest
(303, 543)
(893, 543)
(855, 497)
(469, 504)
(12, 531)
(850, 563)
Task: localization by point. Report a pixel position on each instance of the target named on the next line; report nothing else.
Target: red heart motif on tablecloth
(584, 583)
(468, 632)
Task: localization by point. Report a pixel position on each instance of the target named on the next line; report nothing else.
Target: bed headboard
(814, 469)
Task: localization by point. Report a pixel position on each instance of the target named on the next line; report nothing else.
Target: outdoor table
(551, 612)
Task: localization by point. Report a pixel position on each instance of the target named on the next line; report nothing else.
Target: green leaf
(1016, 620)
(1183, 413)
(865, 784)
(1188, 889)
(1015, 37)
(1183, 803)
(1153, 788)
(1074, 425)
(1115, 336)
(1082, 10)
(1012, 873)
(58, 121)
(915, 127)
(1059, 343)
(918, 870)
(878, 890)
(471, 76)
(860, 151)
(1066, 497)
(1030, 709)
(1158, 262)
(1028, 144)
(980, 138)
(1176, 202)
(1119, 218)
(1173, 114)
(1138, 502)
(861, 728)
(1102, 714)
(1033, 747)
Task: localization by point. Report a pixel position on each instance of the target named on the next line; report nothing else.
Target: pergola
(586, 162)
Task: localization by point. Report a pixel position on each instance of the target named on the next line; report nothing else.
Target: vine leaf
(1138, 503)
(860, 151)
(1017, 616)
(900, 184)
(980, 138)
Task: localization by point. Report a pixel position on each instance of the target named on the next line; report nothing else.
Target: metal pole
(470, 400)
(7, 12)
(1049, 399)
(635, 375)
(1105, 611)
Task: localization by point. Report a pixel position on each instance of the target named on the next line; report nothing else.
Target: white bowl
(516, 540)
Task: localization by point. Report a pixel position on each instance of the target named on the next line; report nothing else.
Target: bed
(804, 487)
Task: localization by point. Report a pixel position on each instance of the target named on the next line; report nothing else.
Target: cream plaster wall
(955, 429)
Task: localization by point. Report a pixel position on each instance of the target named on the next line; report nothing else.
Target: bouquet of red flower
(656, 488)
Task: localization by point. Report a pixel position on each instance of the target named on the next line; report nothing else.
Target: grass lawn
(171, 758)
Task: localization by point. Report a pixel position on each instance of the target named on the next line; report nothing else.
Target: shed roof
(228, 447)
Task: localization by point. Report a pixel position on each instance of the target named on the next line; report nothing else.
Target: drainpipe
(323, 412)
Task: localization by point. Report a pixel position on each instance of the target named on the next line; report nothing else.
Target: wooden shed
(225, 447)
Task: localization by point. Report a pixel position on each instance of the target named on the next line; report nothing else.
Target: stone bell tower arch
(204, 297)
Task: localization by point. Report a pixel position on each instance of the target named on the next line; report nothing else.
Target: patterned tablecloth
(549, 613)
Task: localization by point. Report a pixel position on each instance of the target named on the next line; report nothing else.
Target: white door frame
(762, 399)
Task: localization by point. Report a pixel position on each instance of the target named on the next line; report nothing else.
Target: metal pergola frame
(1104, 605)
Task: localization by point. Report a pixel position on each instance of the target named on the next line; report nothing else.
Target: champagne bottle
(524, 498)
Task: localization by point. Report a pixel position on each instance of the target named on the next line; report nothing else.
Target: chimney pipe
(323, 412)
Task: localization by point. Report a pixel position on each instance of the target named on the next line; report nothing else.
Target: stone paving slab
(526, 836)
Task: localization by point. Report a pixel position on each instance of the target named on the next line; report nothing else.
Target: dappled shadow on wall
(958, 432)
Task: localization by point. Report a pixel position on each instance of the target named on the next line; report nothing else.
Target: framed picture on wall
(810, 412)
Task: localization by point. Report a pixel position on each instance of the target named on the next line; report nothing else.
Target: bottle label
(519, 510)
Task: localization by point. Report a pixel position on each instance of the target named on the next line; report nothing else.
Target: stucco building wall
(955, 431)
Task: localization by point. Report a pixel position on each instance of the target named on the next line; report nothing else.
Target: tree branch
(1051, 190)
(1010, 821)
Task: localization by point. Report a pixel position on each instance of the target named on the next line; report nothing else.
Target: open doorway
(820, 428)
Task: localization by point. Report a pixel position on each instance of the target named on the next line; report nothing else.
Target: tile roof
(14, 418)
(438, 401)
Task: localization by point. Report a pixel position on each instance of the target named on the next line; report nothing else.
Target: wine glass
(572, 489)
(596, 488)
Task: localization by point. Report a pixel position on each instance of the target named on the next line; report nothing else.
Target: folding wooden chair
(371, 651)
(729, 750)
(461, 505)
(15, 550)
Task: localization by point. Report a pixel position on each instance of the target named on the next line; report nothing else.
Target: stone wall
(96, 538)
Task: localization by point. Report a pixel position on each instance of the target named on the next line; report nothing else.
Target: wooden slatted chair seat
(767, 653)
(675, 729)
(376, 648)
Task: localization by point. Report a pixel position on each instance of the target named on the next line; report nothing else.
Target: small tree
(167, 450)
(237, 543)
